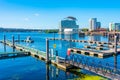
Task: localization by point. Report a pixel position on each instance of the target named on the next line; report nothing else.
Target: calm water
(29, 68)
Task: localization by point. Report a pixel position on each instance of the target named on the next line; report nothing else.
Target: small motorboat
(29, 40)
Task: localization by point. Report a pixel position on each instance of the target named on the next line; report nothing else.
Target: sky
(46, 14)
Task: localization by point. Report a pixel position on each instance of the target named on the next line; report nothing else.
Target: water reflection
(70, 37)
(4, 48)
(95, 38)
(53, 73)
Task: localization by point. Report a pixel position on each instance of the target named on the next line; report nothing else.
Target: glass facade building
(67, 24)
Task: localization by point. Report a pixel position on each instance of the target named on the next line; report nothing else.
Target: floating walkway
(82, 41)
(13, 55)
(94, 53)
(38, 54)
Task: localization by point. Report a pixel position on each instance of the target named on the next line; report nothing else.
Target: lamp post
(115, 53)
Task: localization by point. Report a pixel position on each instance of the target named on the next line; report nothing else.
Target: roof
(70, 17)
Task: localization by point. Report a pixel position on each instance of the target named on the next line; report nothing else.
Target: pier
(71, 61)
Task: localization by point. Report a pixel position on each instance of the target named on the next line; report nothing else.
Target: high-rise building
(94, 25)
(98, 25)
(110, 26)
(68, 25)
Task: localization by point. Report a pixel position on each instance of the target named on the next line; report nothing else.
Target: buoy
(68, 52)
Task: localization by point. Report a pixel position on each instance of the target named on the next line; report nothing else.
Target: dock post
(18, 38)
(4, 43)
(47, 51)
(115, 54)
(4, 39)
(13, 43)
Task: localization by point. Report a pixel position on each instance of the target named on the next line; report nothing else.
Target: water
(29, 68)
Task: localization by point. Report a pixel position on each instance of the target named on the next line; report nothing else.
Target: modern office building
(94, 25)
(68, 25)
(98, 25)
(117, 26)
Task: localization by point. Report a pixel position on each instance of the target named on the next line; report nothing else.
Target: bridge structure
(102, 69)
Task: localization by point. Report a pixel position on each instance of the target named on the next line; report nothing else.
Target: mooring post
(4, 43)
(115, 54)
(47, 51)
(18, 38)
(13, 41)
(4, 39)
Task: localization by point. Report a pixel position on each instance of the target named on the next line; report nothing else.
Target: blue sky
(42, 14)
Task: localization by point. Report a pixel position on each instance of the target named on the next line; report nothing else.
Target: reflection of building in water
(67, 36)
(66, 43)
(95, 38)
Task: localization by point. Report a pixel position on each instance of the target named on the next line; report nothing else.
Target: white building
(68, 25)
(111, 25)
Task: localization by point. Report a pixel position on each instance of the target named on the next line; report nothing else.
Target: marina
(67, 63)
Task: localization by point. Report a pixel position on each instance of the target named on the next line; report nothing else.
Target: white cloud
(26, 19)
(36, 14)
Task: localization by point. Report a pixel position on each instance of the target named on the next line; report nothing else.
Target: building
(110, 26)
(114, 26)
(117, 26)
(98, 25)
(94, 25)
(68, 25)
